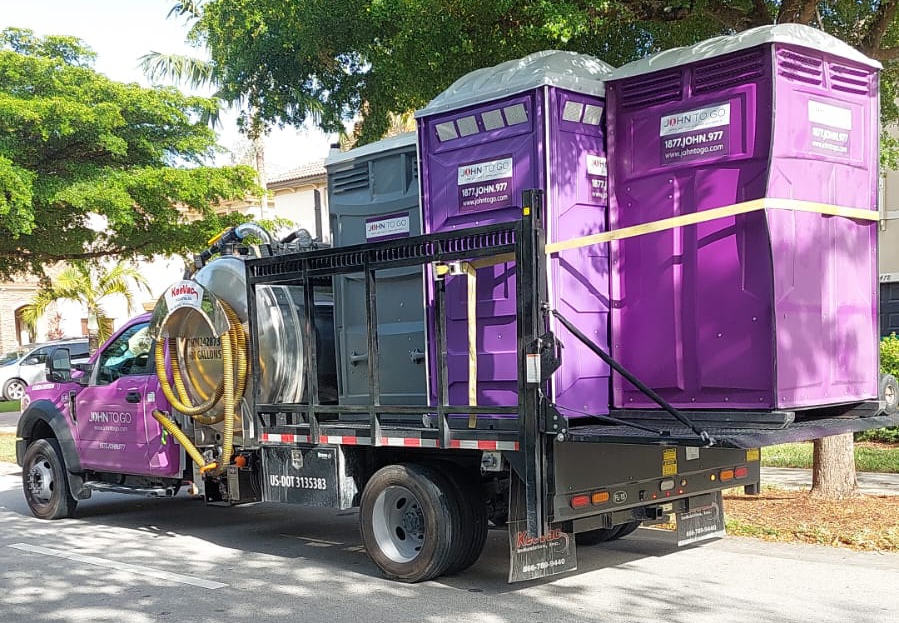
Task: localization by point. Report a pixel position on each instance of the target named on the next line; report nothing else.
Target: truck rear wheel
(410, 522)
(45, 481)
(594, 537)
(601, 535)
(473, 508)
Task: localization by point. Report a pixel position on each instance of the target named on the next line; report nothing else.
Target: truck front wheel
(45, 482)
(410, 522)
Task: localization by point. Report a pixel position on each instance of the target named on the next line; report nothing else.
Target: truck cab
(92, 428)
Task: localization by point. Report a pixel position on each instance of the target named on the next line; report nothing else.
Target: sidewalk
(869, 483)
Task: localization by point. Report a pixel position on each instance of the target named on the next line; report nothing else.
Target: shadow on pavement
(288, 563)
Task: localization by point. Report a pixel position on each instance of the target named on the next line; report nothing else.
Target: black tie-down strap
(633, 380)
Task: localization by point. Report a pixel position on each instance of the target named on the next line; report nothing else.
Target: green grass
(7, 448)
(8, 406)
(868, 458)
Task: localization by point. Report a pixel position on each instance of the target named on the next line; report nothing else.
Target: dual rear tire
(421, 521)
(601, 535)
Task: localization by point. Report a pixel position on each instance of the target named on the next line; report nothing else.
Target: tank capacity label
(830, 128)
(297, 482)
(485, 185)
(204, 349)
(387, 227)
(597, 178)
(695, 134)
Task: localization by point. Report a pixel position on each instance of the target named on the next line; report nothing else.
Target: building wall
(889, 228)
(295, 203)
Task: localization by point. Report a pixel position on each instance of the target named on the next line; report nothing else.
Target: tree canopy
(90, 167)
(330, 60)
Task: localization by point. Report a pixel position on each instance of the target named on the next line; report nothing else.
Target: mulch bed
(866, 522)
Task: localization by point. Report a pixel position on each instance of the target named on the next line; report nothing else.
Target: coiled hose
(234, 341)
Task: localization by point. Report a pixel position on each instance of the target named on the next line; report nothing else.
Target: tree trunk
(93, 342)
(833, 471)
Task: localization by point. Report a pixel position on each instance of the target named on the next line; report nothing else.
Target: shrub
(889, 364)
(889, 355)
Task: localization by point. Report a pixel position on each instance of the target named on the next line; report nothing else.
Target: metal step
(150, 492)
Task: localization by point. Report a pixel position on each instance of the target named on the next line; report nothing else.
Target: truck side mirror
(59, 366)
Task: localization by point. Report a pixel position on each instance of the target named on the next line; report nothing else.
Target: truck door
(116, 430)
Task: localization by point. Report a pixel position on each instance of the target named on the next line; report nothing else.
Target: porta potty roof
(794, 34)
(576, 72)
(393, 142)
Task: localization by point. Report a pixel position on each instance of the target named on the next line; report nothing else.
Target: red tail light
(741, 472)
(580, 501)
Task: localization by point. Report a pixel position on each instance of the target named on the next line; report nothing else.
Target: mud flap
(531, 557)
(701, 523)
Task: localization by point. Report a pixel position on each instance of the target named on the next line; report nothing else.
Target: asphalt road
(280, 563)
(9, 420)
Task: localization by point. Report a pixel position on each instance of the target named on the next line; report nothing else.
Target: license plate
(700, 524)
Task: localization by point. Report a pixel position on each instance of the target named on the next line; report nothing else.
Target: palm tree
(88, 285)
(196, 73)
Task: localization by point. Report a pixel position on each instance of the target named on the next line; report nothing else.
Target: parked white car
(24, 366)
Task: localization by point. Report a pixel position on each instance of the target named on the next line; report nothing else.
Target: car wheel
(889, 393)
(14, 389)
(45, 481)
(410, 522)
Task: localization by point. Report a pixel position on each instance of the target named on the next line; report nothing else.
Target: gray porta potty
(372, 196)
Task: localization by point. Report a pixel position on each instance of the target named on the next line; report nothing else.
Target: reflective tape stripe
(402, 442)
(473, 444)
(346, 440)
(710, 215)
(409, 442)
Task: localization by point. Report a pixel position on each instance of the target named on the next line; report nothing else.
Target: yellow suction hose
(230, 393)
(178, 434)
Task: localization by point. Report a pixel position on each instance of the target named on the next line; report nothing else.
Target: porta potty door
(578, 200)
(476, 163)
(374, 197)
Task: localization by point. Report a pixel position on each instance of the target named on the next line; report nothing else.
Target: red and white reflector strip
(284, 438)
(346, 440)
(474, 444)
(397, 442)
(409, 442)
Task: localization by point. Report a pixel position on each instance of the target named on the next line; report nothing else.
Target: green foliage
(880, 435)
(90, 167)
(90, 285)
(867, 458)
(889, 355)
(329, 60)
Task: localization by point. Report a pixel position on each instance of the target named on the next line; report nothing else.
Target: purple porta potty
(772, 303)
(536, 122)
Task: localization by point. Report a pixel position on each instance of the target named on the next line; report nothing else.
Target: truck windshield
(11, 357)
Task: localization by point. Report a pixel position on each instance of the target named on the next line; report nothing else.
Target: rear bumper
(642, 476)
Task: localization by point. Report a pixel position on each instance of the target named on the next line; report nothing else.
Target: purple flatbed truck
(611, 337)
